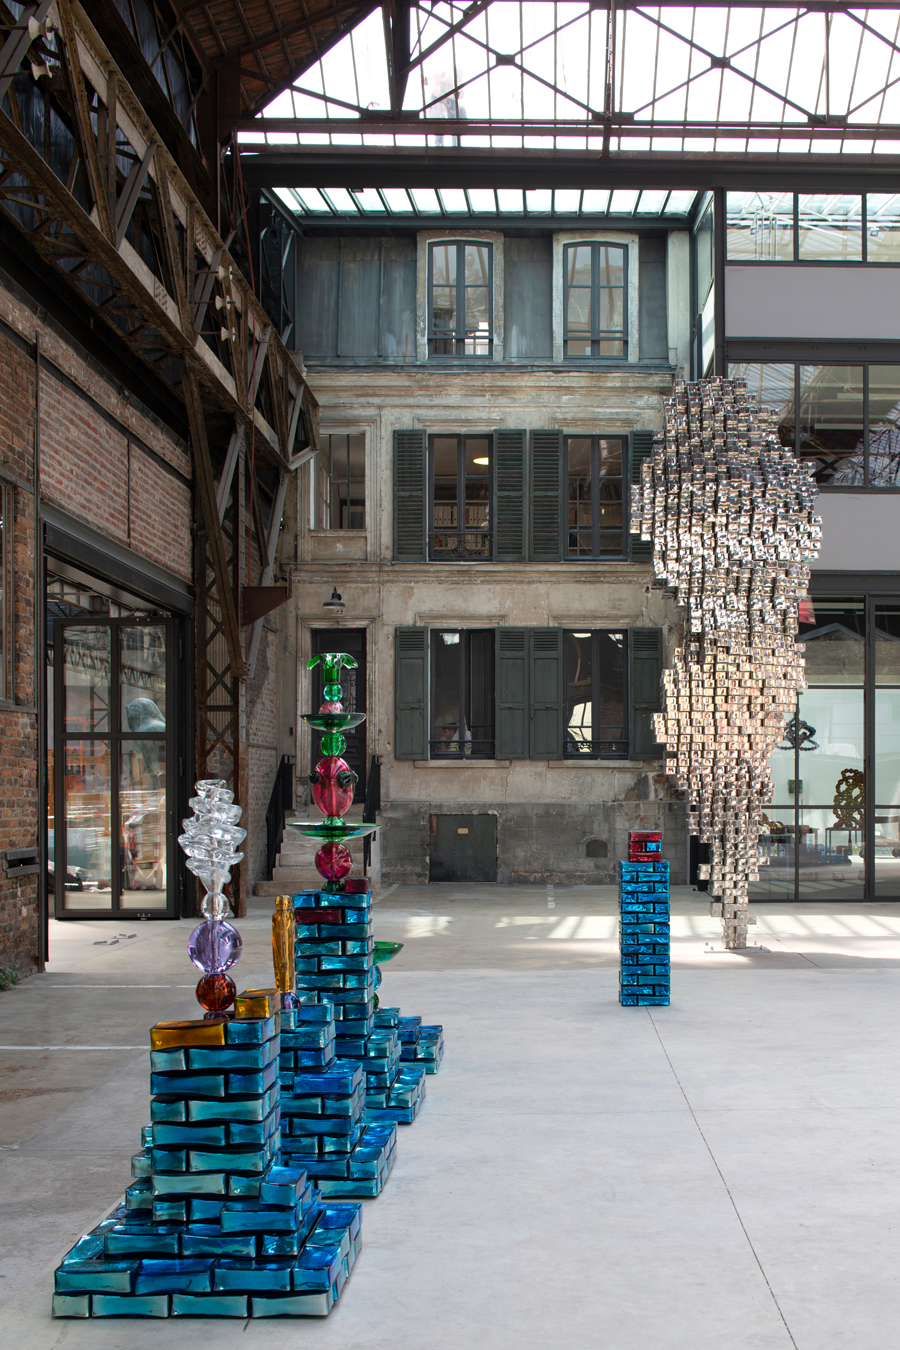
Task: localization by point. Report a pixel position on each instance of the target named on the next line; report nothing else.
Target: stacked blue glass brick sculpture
(422, 1046)
(213, 1225)
(644, 922)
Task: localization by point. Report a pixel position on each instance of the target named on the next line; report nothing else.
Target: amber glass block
(216, 992)
(254, 1003)
(166, 1035)
(283, 943)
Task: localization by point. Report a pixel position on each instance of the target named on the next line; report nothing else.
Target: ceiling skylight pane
(623, 203)
(454, 200)
(595, 203)
(566, 201)
(651, 203)
(539, 200)
(310, 199)
(397, 200)
(426, 201)
(680, 203)
(341, 200)
(482, 199)
(510, 199)
(369, 200)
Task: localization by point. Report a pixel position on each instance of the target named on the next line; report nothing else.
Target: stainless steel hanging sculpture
(729, 511)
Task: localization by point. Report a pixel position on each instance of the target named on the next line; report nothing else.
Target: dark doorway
(353, 682)
(463, 848)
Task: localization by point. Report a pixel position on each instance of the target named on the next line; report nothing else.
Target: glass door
(110, 832)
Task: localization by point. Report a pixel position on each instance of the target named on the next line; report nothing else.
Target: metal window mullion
(595, 500)
(866, 426)
(460, 494)
(461, 297)
(796, 218)
(115, 752)
(595, 691)
(869, 752)
(864, 218)
(595, 299)
(796, 795)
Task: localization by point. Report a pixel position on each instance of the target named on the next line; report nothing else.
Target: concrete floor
(723, 1174)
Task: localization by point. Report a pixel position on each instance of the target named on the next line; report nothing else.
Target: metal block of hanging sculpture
(213, 1225)
(729, 511)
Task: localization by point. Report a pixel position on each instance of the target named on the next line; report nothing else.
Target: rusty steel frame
(193, 320)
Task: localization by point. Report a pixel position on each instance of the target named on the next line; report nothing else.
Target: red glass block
(318, 916)
(333, 862)
(333, 783)
(215, 993)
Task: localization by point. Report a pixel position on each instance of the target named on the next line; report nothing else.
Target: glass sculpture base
(213, 1225)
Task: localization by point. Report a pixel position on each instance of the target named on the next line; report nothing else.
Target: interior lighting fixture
(481, 461)
(335, 602)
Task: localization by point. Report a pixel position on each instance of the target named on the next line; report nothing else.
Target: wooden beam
(215, 539)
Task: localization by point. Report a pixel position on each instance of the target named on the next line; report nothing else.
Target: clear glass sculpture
(210, 840)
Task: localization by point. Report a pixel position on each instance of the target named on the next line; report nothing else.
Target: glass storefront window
(773, 386)
(142, 812)
(86, 787)
(829, 228)
(886, 861)
(831, 423)
(760, 226)
(883, 227)
(884, 426)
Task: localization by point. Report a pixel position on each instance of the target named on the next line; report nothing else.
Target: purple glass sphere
(214, 946)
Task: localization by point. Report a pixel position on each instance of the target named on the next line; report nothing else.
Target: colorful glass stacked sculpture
(210, 838)
(644, 922)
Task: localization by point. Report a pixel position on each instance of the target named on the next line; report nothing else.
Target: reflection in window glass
(594, 300)
(593, 467)
(833, 630)
(595, 664)
(87, 789)
(829, 228)
(773, 387)
(460, 299)
(884, 426)
(462, 693)
(86, 668)
(704, 245)
(142, 677)
(342, 494)
(142, 808)
(760, 227)
(883, 227)
(831, 423)
(460, 497)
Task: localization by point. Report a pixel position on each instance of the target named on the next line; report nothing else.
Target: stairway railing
(280, 802)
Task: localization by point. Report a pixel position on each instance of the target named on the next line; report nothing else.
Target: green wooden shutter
(640, 448)
(410, 496)
(508, 511)
(645, 686)
(410, 693)
(512, 739)
(546, 523)
(546, 649)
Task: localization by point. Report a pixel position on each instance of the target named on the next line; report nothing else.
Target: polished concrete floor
(723, 1174)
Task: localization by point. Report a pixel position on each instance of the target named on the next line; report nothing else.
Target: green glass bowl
(317, 830)
(333, 721)
(384, 951)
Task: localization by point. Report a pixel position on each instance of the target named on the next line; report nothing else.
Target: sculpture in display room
(729, 511)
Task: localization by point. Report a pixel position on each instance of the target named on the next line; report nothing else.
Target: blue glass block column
(334, 953)
(644, 933)
(212, 1225)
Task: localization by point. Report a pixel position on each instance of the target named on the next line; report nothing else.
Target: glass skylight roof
(683, 79)
(325, 203)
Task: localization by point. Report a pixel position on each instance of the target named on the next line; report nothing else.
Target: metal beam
(623, 125)
(446, 167)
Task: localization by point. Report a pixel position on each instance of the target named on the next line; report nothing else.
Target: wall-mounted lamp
(335, 603)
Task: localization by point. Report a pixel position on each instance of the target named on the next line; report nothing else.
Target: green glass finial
(331, 663)
(333, 743)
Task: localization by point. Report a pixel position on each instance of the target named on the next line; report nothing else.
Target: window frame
(461, 438)
(735, 369)
(424, 338)
(595, 438)
(456, 749)
(795, 260)
(600, 749)
(324, 478)
(597, 335)
(615, 239)
(460, 334)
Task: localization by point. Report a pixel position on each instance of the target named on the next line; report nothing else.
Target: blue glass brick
(292, 1305)
(71, 1305)
(270, 1275)
(208, 1240)
(96, 1277)
(165, 1277)
(130, 1305)
(210, 1305)
(241, 1031)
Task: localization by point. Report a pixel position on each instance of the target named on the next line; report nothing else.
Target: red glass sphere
(333, 782)
(333, 861)
(216, 993)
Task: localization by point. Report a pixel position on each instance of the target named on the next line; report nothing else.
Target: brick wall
(19, 912)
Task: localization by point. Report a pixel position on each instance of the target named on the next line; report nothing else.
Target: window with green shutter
(645, 682)
(509, 495)
(511, 718)
(411, 693)
(546, 514)
(547, 694)
(410, 496)
(640, 449)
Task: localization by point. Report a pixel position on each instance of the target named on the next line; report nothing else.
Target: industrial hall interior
(449, 674)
